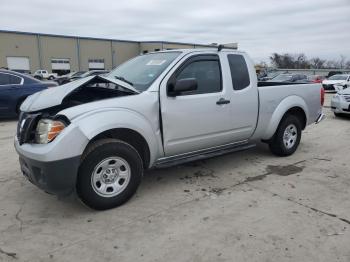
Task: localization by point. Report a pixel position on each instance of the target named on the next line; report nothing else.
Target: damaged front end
(39, 121)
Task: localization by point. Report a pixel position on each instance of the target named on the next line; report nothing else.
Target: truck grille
(26, 127)
(347, 98)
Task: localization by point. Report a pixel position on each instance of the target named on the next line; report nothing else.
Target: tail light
(322, 96)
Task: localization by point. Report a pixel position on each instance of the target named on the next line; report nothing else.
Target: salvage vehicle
(316, 78)
(328, 84)
(96, 135)
(15, 88)
(68, 77)
(289, 78)
(44, 74)
(340, 103)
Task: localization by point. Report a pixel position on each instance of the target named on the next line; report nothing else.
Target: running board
(199, 155)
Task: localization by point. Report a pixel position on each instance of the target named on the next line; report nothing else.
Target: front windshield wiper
(124, 80)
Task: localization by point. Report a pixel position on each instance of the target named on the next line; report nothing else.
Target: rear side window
(239, 72)
(206, 72)
(4, 79)
(15, 80)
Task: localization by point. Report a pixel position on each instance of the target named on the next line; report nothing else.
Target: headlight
(47, 130)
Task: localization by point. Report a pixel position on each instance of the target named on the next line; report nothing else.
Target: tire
(287, 137)
(101, 188)
(51, 78)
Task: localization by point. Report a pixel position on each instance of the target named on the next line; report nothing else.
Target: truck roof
(192, 50)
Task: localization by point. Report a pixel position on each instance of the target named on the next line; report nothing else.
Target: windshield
(143, 70)
(338, 77)
(282, 78)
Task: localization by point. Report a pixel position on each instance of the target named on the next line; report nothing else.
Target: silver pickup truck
(96, 135)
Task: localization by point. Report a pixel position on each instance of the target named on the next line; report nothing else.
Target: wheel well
(131, 137)
(299, 113)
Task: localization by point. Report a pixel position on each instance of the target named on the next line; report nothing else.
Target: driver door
(198, 119)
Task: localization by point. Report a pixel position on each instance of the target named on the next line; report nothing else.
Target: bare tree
(342, 61)
(300, 61)
(347, 65)
(292, 61)
(317, 63)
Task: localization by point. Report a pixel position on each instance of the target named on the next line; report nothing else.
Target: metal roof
(101, 39)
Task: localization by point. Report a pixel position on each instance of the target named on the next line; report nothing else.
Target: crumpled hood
(345, 91)
(54, 96)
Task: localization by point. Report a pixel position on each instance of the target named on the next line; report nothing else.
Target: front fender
(96, 122)
(286, 104)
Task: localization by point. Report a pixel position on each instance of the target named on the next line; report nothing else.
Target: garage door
(96, 64)
(17, 63)
(60, 64)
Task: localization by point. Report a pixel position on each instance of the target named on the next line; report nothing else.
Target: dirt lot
(248, 206)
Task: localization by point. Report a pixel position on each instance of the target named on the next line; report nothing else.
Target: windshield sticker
(156, 62)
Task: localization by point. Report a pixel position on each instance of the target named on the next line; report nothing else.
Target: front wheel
(287, 137)
(109, 175)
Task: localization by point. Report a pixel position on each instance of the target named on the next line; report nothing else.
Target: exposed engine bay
(94, 90)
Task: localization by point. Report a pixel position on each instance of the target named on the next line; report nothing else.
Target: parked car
(316, 78)
(332, 73)
(288, 78)
(67, 78)
(155, 110)
(340, 103)
(269, 76)
(341, 86)
(90, 73)
(328, 84)
(44, 74)
(15, 88)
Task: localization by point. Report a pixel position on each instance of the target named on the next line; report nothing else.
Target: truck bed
(275, 97)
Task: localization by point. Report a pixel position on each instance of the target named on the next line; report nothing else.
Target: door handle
(222, 101)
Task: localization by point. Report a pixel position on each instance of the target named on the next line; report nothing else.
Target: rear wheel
(109, 175)
(287, 137)
(51, 78)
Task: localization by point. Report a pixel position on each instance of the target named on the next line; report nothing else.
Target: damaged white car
(340, 103)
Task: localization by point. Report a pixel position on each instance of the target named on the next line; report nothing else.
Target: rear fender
(286, 104)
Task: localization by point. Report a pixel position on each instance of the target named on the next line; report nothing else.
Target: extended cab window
(206, 72)
(239, 72)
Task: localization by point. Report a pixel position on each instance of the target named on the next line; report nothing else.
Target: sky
(314, 27)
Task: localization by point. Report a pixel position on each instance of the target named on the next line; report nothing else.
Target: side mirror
(182, 85)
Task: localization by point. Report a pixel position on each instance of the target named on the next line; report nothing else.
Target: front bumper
(53, 167)
(55, 177)
(340, 105)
